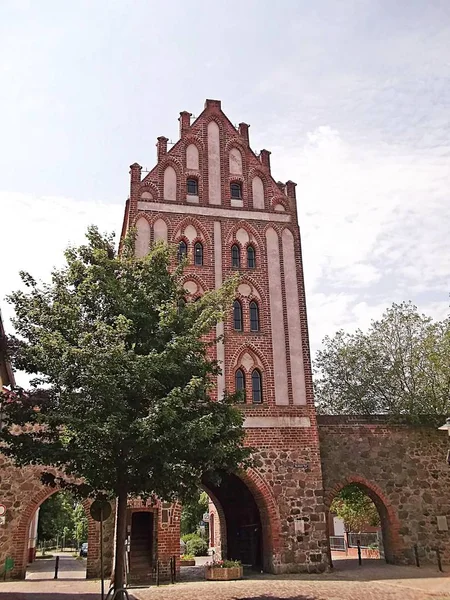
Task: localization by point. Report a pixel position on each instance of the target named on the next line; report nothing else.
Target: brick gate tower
(215, 198)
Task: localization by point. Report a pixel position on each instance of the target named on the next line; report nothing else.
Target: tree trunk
(121, 535)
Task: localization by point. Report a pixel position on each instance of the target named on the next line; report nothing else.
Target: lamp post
(446, 427)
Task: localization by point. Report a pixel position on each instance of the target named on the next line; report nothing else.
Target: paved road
(69, 567)
(40, 585)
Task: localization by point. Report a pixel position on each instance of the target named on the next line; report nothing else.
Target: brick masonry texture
(404, 471)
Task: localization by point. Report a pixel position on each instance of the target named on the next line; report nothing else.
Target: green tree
(400, 367)
(80, 524)
(192, 513)
(122, 393)
(355, 508)
(55, 516)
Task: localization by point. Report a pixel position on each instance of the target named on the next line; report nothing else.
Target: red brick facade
(287, 486)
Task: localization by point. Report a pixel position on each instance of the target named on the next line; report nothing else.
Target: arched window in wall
(235, 256)
(237, 315)
(198, 254)
(182, 250)
(254, 316)
(256, 387)
(251, 257)
(239, 383)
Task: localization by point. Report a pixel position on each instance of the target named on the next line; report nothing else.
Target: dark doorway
(242, 520)
(141, 546)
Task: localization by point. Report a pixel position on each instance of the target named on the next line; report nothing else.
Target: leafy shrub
(196, 545)
(189, 536)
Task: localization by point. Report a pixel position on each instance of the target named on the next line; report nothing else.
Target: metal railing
(337, 543)
(366, 540)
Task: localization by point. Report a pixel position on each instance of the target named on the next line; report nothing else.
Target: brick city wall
(405, 472)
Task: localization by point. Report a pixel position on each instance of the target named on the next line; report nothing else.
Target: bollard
(358, 543)
(416, 554)
(157, 572)
(438, 556)
(56, 567)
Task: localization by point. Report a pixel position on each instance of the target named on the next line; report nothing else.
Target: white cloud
(37, 230)
(375, 224)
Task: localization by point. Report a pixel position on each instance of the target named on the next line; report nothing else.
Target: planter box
(219, 574)
(187, 563)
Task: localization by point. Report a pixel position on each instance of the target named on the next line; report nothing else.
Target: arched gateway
(273, 516)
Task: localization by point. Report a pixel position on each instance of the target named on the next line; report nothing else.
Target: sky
(351, 97)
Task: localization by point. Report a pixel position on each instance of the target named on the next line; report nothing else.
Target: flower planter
(187, 563)
(223, 573)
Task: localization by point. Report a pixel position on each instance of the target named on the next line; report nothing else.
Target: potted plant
(224, 570)
(187, 560)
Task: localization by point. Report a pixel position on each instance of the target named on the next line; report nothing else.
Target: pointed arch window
(198, 254)
(251, 257)
(254, 316)
(182, 250)
(235, 256)
(239, 382)
(256, 387)
(237, 315)
(192, 186)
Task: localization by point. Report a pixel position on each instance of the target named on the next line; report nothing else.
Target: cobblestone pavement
(375, 582)
(372, 582)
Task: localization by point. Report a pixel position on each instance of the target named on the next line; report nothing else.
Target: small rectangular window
(192, 187)
(236, 190)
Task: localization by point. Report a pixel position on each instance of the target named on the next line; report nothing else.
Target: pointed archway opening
(58, 529)
(235, 524)
(359, 515)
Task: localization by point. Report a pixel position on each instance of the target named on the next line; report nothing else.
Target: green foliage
(224, 564)
(189, 536)
(355, 508)
(192, 513)
(400, 367)
(196, 546)
(80, 524)
(187, 557)
(56, 517)
(121, 394)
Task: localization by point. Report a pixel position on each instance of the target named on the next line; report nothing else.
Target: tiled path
(373, 581)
